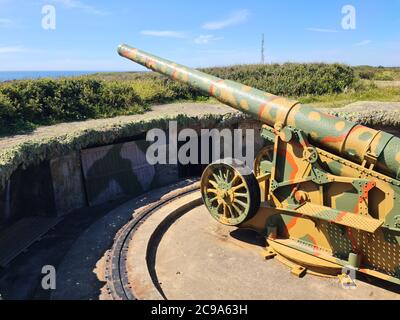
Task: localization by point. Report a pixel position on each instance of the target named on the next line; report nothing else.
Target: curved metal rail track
(118, 286)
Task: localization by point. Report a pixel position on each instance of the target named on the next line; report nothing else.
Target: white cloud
(207, 38)
(164, 33)
(235, 18)
(12, 49)
(5, 22)
(75, 4)
(322, 30)
(363, 43)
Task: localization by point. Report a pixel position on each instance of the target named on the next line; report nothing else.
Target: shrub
(7, 110)
(291, 79)
(153, 90)
(367, 75)
(384, 76)
(46, 101)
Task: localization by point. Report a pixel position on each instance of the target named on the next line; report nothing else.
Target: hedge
(26, 103)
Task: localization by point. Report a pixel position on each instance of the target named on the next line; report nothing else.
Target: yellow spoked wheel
(230, 192)
(263, 160)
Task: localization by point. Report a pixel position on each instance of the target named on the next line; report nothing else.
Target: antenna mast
(262, 49)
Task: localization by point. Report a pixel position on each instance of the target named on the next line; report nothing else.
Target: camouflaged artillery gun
(325, 192)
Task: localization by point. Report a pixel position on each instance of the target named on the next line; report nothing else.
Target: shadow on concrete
(249, 236)
(62, 248)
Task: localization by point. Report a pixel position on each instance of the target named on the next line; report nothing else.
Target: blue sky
(196, 33)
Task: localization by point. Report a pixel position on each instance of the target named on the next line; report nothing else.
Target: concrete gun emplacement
(325, 192)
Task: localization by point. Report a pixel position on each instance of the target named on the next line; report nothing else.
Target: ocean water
(18, 75)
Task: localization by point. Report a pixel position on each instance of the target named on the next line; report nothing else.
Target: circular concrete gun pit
(186, 254)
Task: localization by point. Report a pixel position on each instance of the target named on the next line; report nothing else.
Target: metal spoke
(225, 211)
(217, 178)
(213, 183)
(230, 211)
(244, 195)
(213, 199)
(236, 209)
(210, 190)
(221, 175)
(242, 185)
(241, 203)
(227, 175)
(235, 177)
(218, 206)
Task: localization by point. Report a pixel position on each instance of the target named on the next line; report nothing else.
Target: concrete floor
(74, 247)
(21, 280)
(198, 258)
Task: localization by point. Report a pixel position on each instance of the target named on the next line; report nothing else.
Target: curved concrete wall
(97, 174)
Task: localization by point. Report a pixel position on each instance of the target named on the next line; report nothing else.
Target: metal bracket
(268, 133)
(274, 185)
(268, 253)
(310, 155)
(370, 159)
(346, 281)
(298, 271)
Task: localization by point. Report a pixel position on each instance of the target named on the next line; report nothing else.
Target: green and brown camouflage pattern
(330, 191)
(331, 208)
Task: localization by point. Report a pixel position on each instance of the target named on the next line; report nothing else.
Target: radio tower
(262, 49)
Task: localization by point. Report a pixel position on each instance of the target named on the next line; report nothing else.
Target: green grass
(387, 94)
(378, 73)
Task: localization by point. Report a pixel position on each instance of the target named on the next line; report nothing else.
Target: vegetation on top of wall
(372, 118)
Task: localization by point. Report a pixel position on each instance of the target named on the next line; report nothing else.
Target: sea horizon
(26, 75)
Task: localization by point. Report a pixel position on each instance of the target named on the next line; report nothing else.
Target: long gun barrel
(347, 139)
